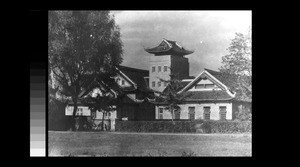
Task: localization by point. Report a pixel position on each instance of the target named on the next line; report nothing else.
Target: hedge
(196, 126)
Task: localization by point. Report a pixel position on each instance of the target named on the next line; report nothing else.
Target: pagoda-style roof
(167, 47)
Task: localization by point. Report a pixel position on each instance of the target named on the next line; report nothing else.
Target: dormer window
(203, 86)
(209, 85)
(200, 86)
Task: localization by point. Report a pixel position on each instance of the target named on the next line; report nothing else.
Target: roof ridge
(131, 68)
(211, 70)
(169, 40)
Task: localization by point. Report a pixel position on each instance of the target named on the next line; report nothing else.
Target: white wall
(207, 81)
(214, 110)
(156, 61)
(85, 110)
(119, 79)
(100, 114)
(166, 113)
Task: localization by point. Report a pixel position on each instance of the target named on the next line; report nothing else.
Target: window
(209, 85)
(165, 68)
(153, 69)
(191, 112)
(160, 113)
(79, 111)
(158, 83)
(159, 68)
(202, 86)
(222, 112)
(123, 82)
(199, 86)
(153, 83)
(93, 114)
(177, 114)
(165, 84)
(206, 113)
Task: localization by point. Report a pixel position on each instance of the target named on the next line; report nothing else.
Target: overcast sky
(208, 33)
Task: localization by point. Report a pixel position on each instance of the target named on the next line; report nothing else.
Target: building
(208, 94)
(133, 104)
(168, 55)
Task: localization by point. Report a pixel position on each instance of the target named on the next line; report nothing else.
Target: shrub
(185, 126)
(188, 154)
(231, 126)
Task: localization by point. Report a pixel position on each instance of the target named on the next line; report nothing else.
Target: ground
(148, 144)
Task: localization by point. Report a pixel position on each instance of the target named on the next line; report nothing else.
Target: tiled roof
(137, 76)
(163, 49)
(184, 83)
(226, 79)
(207, 95)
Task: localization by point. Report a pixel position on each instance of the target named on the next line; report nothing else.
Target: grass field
(148, 144)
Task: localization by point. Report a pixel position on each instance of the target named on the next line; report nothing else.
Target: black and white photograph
(149, 83)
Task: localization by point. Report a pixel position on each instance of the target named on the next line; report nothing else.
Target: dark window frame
(223, 113)
(160, 113)
(158, 68)
(177, 114)
(206, 112)
(191, 112)
(165, 68)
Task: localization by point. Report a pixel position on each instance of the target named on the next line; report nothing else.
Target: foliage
(238, 65)
(56, 114)
(231, 126)
(188, 154)
(82, 45)
(170, 97)
(244, 114)
(104, 102)
(185, 126)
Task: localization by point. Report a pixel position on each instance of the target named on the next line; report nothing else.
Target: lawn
(148, 144)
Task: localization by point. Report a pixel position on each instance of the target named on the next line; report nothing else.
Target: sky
(208, 33)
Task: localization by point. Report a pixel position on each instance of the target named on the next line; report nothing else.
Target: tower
(168, 54)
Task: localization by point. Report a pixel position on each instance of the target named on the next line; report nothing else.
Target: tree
(82, 45)
(238, 65)
(104, 101)
(170, 96)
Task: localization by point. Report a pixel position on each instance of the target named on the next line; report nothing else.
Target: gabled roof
(215, 77)
(168, 47)
(226, 79)
(207, 95)
(136, 76)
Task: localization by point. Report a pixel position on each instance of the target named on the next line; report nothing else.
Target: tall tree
(238, 65)
(170, 97)
(104, 100)
(82, 45)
